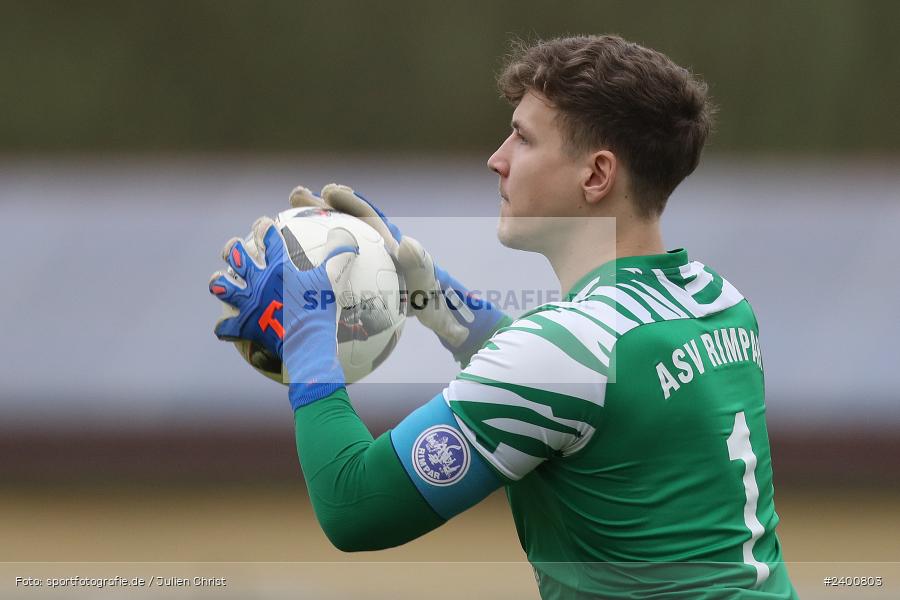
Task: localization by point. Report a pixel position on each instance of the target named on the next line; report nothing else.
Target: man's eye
(520, 137)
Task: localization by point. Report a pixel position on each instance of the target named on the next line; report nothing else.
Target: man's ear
(601, 176)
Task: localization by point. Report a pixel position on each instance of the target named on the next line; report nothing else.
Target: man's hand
(461, 320)
(292, 313)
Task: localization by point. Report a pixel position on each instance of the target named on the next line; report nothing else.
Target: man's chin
(505, 239)
(509, 236)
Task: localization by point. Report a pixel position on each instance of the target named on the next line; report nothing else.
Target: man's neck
(593, 247)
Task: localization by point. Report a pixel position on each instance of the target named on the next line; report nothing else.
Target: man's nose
(498, 164)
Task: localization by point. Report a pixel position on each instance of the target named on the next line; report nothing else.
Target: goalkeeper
(626, 422)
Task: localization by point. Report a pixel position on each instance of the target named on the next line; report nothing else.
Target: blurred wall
(109, 366)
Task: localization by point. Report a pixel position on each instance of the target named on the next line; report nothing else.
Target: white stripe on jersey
(602, 336)
(585, 291)
(549, 437)
(663, 311)
(604, 313)
(663, 300)
(703, 279)
(728, 298)
(512, 463)
(537, 363)
(621, 298)
(464, 390)
(583, 329)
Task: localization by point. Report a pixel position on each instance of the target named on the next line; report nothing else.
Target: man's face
(539, 180)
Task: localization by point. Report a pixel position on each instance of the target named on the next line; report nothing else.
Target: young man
(626, 422)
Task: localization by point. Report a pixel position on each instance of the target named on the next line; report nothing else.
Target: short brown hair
(618, 95)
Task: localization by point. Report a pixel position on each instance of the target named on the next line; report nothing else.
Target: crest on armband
(440, 455)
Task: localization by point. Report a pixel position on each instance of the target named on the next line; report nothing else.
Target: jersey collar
(673, 259)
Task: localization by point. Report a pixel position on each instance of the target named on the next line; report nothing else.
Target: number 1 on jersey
(739, 448)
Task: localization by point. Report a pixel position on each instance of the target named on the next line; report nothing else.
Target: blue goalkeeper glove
(290, 312)
(461, 320)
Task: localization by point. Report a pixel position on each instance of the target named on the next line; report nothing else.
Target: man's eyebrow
(517, 126)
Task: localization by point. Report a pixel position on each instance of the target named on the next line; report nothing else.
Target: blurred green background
(286, 76)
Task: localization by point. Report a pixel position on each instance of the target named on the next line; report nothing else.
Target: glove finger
(268, 239)
(412, 256)
(302, 197)
(343, 199)
(425, 299)
(237, 257)
(341, 249)
(226, 249)
(228, 329)
(417, 266)
(438, 317)
(258, 234)
(223, 287)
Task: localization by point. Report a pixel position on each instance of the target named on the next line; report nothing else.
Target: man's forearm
(360, 492)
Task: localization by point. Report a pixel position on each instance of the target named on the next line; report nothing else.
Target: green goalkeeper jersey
(629, 424)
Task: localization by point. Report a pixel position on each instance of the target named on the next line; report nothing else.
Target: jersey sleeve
(534, 391)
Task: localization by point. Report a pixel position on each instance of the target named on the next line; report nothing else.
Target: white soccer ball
(369, 329)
